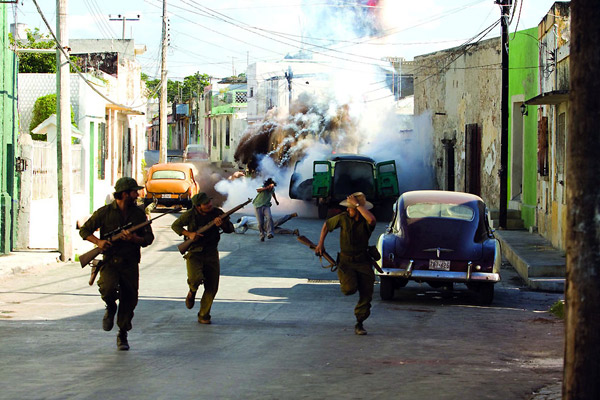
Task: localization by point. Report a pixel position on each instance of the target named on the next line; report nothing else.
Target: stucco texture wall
(462, 86)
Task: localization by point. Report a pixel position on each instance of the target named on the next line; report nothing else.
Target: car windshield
(168, 174)
(438, 210)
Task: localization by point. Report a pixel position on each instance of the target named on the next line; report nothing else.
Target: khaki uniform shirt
(354, 235)
(109, 218)
(194, 220)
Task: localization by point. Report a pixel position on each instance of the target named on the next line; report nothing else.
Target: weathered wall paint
(523, 84)
(462, 86)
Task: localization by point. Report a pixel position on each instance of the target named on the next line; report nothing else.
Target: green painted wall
(523, 80)
(8, 135)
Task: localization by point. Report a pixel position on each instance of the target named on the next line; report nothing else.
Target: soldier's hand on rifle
(192, 235)
(103, 244)
(320, 249)
(218, 221)
(127, 235)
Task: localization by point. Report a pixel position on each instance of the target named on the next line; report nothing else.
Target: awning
(554, 97)
(126, 110)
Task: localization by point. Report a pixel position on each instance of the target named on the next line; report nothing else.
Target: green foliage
(44, 107)
(558, 309)
(36, 62)
(41, 63)
(192, 86)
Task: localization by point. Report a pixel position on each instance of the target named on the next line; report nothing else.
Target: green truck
(343, 174)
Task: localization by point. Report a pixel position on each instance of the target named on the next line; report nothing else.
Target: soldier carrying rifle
(355, 264)
(202, 256)
(119, 275)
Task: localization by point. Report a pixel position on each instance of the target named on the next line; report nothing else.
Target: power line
(61, 48)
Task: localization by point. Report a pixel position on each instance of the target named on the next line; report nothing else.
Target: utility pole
(289, 76)
(582, 297)
(63, 148)
(162, 152)
(121, 17)
(505, 12)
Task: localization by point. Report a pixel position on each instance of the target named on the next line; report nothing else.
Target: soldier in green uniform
(119, 274)
(354, 265)
(203, 256)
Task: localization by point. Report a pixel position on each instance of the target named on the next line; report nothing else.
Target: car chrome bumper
(430, 275)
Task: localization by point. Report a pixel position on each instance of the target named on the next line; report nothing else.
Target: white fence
(45, 181)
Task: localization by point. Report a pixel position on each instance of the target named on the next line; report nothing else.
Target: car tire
(485, 293)
(386, 288)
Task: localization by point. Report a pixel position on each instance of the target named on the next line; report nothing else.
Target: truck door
(321, 184)
(300, 189)
(387, 179)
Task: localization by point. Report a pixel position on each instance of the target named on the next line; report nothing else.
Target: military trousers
(203, 268)
(356, 275)
(119, 280)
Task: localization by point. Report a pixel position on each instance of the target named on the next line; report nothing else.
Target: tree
(192, 86)
(44, 107)
(152, 86)
(36, 62)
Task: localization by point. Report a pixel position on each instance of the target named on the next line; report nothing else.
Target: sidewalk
(19, 261)
(540, 265)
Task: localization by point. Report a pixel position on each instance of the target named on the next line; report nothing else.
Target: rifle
(183, 247)
(115, 235)
(307, 242)
(332, 264)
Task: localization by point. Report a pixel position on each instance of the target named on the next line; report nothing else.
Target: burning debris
(285, 137)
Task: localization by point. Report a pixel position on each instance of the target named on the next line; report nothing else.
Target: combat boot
(190, 299)
(122, 343)
(359, 329)
(109, 317)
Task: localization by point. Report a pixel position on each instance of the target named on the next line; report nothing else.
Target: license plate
(439, 265)
(168, 196)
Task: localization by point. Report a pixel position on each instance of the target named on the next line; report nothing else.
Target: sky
(221, 38)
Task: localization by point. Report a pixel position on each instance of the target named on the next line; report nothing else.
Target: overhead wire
(61, 48)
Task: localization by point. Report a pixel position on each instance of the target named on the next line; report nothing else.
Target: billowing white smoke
(358, 81)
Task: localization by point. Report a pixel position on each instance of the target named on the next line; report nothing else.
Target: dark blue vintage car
(440, 238)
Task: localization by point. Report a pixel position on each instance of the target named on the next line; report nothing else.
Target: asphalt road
(281, 330)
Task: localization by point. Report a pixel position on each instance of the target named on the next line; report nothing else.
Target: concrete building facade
(460, 88)
(550, 108)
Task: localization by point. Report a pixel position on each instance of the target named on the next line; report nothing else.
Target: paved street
(281, 330)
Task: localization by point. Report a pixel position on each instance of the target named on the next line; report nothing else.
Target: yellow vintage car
(171, 184)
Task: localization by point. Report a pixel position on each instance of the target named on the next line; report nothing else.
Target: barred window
(240, 97)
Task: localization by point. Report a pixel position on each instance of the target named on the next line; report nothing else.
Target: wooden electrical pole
(163, 126)
(63, 117)
(582, 295)
(505, 12)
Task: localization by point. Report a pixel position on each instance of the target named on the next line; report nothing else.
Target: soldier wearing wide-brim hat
(354, 266)
(119, 274)
(202, 258)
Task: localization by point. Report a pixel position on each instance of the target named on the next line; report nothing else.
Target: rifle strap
(332, 267)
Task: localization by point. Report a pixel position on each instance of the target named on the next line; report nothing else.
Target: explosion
(286, 137)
